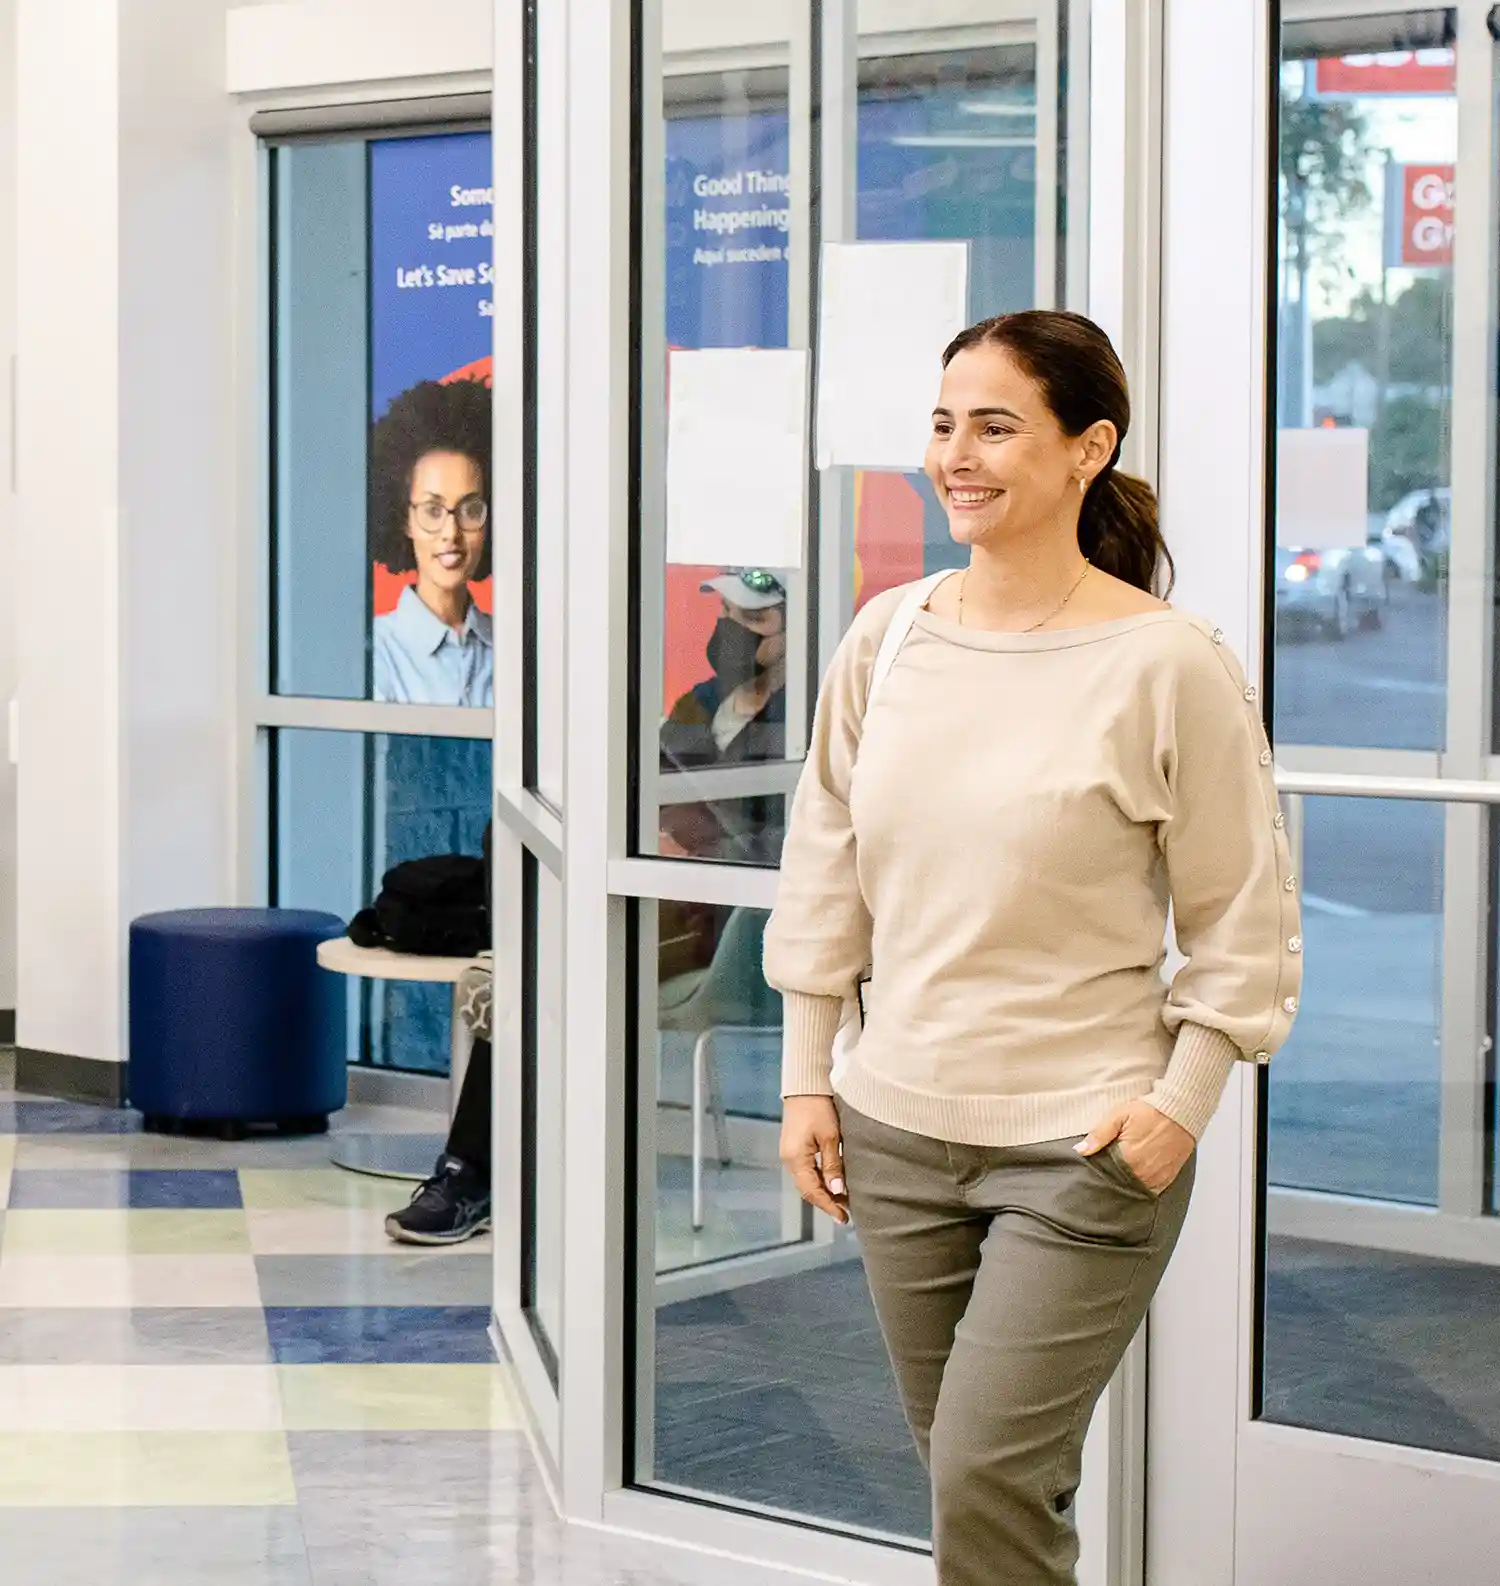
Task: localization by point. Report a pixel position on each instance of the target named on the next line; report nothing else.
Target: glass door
(1362, 1438)
(757, 1379)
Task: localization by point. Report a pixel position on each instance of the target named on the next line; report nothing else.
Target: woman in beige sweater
(983, 1062)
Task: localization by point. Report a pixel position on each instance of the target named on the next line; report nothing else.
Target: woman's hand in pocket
(812, 1152)
(1153, 1146)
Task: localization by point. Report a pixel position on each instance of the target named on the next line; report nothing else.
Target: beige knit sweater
(993, 850)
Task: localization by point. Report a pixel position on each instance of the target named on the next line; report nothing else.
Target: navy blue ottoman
(232, 1023)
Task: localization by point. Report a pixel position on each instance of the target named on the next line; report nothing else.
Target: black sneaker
(452, 1206)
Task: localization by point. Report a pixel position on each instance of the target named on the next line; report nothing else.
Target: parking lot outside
(1354, 1098)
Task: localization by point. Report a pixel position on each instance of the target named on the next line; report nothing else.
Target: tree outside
(1324, 162)
(1402, 344)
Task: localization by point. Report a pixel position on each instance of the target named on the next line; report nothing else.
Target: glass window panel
(947, 150)
(1361, 1337)
(321, 594)
(1365, 345)
(544, 412)
(543, 1103)
(548, 669)
(1354, 1097)
(722, 274)
(346, 807)
(759, 1396)
(1381, 1345)
(951, 142)
(381, 425)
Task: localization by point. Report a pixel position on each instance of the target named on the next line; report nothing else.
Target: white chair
(729, 997)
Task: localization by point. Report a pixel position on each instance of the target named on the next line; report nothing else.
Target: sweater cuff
(809, 1025)
(1201, 1064)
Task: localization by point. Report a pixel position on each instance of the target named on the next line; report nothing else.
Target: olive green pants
(1009, 1282)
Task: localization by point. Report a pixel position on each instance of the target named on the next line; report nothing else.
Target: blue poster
(431, 247)
(728, 208)
(924, 175)
(431, 250)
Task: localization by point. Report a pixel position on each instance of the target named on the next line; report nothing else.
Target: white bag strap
(847, 1035)
(895, 635)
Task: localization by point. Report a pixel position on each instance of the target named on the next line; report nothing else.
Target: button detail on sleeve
(1290, 884)
(1252, 694)
(1265, 757)
(1280, 822)
(1262, 1057)
(1218, 636)
(1290, 1005)
(1294, 944)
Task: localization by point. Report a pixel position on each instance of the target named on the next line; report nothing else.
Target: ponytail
(1119, 530)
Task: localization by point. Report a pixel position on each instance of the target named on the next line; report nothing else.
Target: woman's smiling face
(448, 558)
(998, 458)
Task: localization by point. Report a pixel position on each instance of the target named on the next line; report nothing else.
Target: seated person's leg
(454, 1204)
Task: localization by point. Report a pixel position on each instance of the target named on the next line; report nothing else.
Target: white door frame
(1234, 1501)
(603, 885)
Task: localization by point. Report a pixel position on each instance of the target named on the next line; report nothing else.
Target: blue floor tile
(65, 1117)
(139, 1188)
(184, 1189)
(380, 1335)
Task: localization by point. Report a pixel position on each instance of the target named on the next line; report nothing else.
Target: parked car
(1334, 591)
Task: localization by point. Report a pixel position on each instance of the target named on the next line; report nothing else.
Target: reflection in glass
(1354, 1097)
(947, 150)
(733, 717)
(771, 1381)
(1364, 358)
(346, 807)
(726, 281)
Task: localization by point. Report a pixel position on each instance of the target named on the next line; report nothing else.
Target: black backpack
(436, 907)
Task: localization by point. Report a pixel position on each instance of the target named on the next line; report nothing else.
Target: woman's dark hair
(430, 417)
(1082, 381)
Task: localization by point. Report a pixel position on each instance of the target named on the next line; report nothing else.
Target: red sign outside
(1392, 72)
(1426, 216)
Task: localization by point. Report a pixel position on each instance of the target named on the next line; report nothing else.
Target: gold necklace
(963, 584)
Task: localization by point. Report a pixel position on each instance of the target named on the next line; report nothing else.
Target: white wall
(125, 624)
(7, 501)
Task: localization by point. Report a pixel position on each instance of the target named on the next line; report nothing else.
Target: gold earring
(1083, 484)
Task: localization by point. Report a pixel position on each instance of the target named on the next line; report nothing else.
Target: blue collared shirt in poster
(420, 660)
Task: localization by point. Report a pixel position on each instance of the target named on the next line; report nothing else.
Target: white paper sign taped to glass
(737, 457)
(887, 311)
(1322, 488)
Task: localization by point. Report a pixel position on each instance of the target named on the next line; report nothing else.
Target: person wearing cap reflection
(736, 715)
(739, 711)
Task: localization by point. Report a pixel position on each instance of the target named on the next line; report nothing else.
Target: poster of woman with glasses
(429, 508)
(429, 515)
